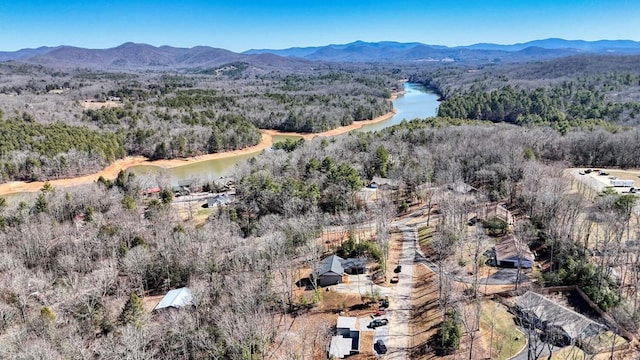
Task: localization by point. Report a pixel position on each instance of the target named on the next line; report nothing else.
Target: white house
(347, 340)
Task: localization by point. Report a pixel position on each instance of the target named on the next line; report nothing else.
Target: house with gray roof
(219, 200)
(384, 183)
(330, 271)
(177, 298)
(354, 266)
(513, 253)
(558, 322)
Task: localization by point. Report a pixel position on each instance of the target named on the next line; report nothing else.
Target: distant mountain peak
(130, 55)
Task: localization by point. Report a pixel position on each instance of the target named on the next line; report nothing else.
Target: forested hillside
(580, 91)
(74, 285)
(32, 151)
(165, 116)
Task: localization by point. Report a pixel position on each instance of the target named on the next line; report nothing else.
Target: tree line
(32, 151)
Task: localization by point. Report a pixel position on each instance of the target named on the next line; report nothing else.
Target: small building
(177, 298)
(330, 271)
(347, 339)
(512, 253)
(559, 323)
(151, 192)
(462, 188)
(224, 183)
(219, 200)
(181, 190)
(495, 209)
(383, 183)
(354, 266)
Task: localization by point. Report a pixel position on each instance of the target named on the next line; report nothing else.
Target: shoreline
(111, 171)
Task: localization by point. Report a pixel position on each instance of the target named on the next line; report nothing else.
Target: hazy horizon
(240, 26)
(314, 45)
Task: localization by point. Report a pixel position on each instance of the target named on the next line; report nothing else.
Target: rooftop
(176, 298)
(331, 263)
(345, 322)
(340, 347)
(551, 313)
(512, 248)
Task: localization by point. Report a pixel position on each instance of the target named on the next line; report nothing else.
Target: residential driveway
(539, 348)
(361, 285)
(504, 277)
(400, 301)
(381, 332)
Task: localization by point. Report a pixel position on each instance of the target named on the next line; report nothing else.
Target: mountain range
(131, 56)
(397, 51)
(142, 56)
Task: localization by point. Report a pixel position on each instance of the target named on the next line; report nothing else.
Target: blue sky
(241, 25)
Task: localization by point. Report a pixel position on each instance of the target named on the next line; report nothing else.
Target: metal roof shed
(176, 298)
(340, 347)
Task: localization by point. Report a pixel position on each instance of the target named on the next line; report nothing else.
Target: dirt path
(111, 171)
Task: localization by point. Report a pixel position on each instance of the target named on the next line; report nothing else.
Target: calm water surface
(417, 103)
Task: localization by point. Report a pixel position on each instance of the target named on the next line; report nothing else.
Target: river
(417, 102)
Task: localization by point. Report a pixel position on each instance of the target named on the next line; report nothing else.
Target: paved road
(397, 334)
(382, 332)
(539, 348)
(400, 304)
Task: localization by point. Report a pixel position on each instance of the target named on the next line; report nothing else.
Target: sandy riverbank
(111, 171)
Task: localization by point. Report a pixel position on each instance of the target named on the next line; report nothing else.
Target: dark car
(377, 322)
(384, 303)
(381, 347)
(397, 269)
(474, 220)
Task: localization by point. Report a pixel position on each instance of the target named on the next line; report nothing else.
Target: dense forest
(581, 91)
(164, 116)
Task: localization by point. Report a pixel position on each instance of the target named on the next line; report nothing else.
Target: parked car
(377, 322)
(380, 311)
(397, 269)
(395, 279)
(381, 347)
(384, 303)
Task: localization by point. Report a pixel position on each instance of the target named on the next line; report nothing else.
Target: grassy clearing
(424, 234)
(507, 338)
(570, 353)
(603, 341)
(204, 212)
